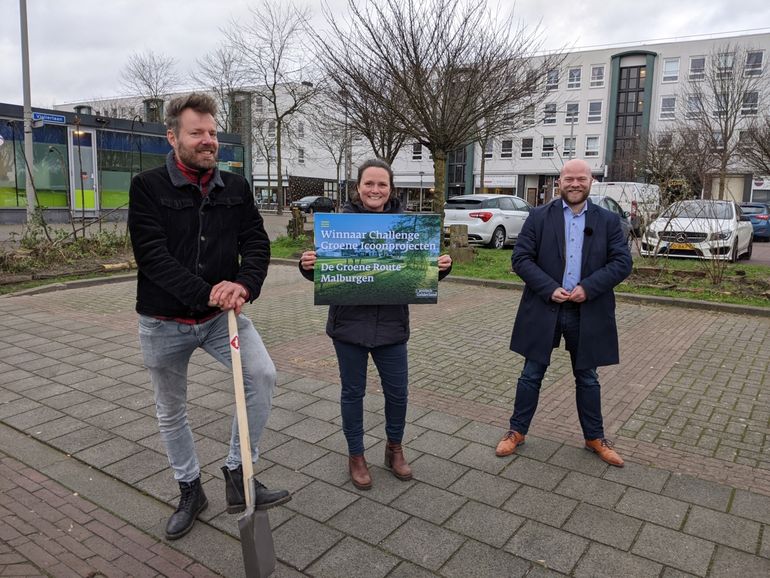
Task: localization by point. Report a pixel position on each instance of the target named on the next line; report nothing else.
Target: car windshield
(699, 210)
(755, 210)
(307, 200)
(459, 203)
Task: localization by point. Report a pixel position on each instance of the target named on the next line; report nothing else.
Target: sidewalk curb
(496, 284)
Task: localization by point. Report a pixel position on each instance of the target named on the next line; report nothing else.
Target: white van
(642, 201)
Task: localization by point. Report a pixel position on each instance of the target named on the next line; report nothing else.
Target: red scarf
(196, 177)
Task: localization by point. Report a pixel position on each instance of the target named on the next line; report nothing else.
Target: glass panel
(84, 175)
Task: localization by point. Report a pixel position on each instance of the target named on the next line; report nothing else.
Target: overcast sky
(78, 47)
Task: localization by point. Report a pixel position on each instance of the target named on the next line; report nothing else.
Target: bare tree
(451, 63)
(331, 134)
(150, 75)
(755, 146)
(223, 73)
(263, 137)
(275, 53)
(721, 100)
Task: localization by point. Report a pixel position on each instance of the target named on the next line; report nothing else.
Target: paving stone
(305, 384)
(45, 392)
(322, 409)
(385, 486)
(56, 428)
(675, 549)
(429, 503)
(310, 429)
(601, 560)
(483, 523)
(578, 459)
(438, 444)
(481, 458)
(540, 505)
(80, 439)
(114, 418)
(589, 489)
(91, 408)
(729, 563)
(547, 546)
(108, 452)
(71, 397)
(481, 433)
(752, 506)
(483, 487)
(210, 451)
(423, 543)
(414, 412)
(409, 570)
(603, 526)
(764, 549)
(669, 572)
(293, 400)
(138, 466)
(368, 520)
(331, 468)
(33, 418)
(295, 454)
(320, 500)
(374, 402)
(281, 418)
(536, 448)
(724, 529)
(301, 540)
(267, 441)
(638, 476)
(353, 559)
(137, 429)
(534, 473)
(697, 491)
(475, 559)
(442, 422)
(278, 476)
(436, 471)
(653, 508)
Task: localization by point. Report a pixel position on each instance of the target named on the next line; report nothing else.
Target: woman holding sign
(381, 331)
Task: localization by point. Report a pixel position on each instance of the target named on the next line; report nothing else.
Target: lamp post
(28, 147)
(138, 145)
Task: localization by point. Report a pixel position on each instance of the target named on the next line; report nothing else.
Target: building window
(693, 106)
(527, 145)
(569, 146)
(720, 104)
(697, 67)
(271, 129)
(549, 116)
(724, 64)
(667, 107)
(595, 111)
(670, 69)
(592, 146)
(552, 79)
(301, 156)
(300, 129)
(506, 149)
(259, 105)
(719, 141)
(597, 76)
(754, 61)
(273, 153)
(744, 139)
(548, 147)
(750, 105)
(573, 113)
(416, 152)
(529, 115)
(489, 149)
(573, 77)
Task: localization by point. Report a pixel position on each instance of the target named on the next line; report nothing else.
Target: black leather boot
(264, 498)
(191, 503)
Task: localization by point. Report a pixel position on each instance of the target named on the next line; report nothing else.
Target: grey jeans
(167, 347)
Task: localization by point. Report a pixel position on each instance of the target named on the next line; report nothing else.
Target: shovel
(256, 537)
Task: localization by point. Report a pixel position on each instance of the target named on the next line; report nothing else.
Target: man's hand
(444, 262)
(228, 295)
(578, 294)
(307, 260)
(560, 295)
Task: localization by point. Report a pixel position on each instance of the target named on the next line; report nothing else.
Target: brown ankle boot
(396, 462)
(359, 472)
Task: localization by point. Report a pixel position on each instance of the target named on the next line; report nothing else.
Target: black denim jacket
(185, 243)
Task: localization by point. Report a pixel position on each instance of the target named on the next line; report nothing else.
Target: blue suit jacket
(538, 258)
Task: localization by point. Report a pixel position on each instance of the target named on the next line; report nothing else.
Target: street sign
(51, 118)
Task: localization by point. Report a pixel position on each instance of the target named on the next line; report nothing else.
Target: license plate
(681, 246)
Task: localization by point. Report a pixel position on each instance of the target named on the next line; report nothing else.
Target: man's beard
(188, 158)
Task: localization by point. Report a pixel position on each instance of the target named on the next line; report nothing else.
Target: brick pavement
(688, 407)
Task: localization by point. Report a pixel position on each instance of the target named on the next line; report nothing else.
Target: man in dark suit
(570, 254)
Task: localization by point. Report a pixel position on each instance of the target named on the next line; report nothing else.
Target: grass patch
(288, 248)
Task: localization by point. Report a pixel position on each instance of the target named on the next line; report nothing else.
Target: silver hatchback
(492, 220)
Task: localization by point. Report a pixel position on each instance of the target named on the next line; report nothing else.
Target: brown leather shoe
(509, 443)
(396, 462)
(603, 448)
(359, 472)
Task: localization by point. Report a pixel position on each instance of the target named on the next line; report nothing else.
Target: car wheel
(498, 239)
(734, 253)
(750, 250)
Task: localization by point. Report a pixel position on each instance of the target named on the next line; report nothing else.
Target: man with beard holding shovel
(201, 248)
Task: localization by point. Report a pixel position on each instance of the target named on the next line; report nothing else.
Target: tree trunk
(482, 168)
(439, 187)
(278, 162)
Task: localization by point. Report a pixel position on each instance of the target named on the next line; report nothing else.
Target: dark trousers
(392, 365)
(587, 389)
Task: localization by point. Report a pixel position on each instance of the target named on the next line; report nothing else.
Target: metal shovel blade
(256, 542)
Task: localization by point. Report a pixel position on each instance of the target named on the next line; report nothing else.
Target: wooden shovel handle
(240, 408)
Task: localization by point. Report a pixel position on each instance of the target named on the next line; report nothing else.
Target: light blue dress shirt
(574, 233)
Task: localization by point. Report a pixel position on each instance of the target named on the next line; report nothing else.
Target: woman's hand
(444, 262)
(307, 260)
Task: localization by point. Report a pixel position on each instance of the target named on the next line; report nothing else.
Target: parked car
(700, 229)
(314, 204)
(640, 200)
(612, 206)
(492, 220)
(759, 213)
